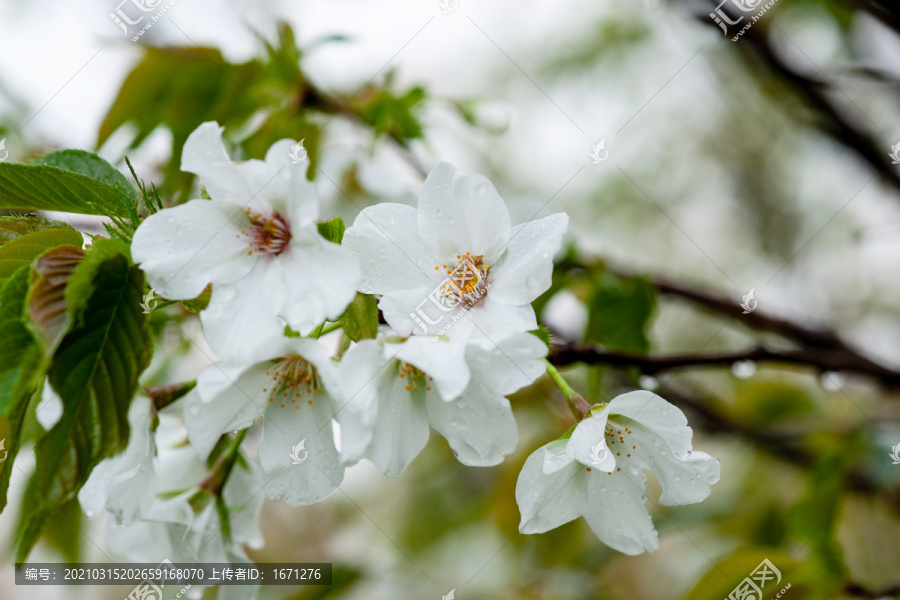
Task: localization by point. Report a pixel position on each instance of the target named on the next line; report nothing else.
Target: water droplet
(481, 189)
(677, 478)
(744, 369)
(832, 381)
(648, 382)
(194, 409)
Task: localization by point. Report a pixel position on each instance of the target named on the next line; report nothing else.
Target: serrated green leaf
(619, 313)
(50, 188)
(332, 230)
(14, 227)
(95, 371)
(23, 249)
(20, 360)
(360, 320)
(90, 165)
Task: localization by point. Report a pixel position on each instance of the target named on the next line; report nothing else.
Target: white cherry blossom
(295, 385)
(397, 388)
(256, 241)
(455, 265)
(598, 472)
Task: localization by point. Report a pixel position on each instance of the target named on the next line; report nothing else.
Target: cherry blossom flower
(256, 241)
(598, 472)
(397, 388)
(455, 266)
(294, 385)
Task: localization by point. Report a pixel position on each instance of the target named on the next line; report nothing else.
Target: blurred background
(695, 169)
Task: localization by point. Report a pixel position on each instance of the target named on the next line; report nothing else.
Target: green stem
(215, 480)
(330, 328)
(578, 402)
(317, 331)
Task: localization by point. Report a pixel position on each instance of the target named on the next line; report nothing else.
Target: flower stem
(578, 402)
(215, 480)
(317, 331)
(330, 328)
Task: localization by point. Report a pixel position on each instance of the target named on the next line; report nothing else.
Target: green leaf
(95, 371)
(725, 575)
(50, 188)
(543, 334)
(37, 237)
(620, 311)
(195, 305)
(332, 230)
(91, 165)
(394, 115)
(360, 320)
(20, 359)
(14, 227)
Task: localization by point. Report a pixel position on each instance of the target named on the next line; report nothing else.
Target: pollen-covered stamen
(466, 281)
(414, 379)
(294, 381)
(266, 234)
(619, 442)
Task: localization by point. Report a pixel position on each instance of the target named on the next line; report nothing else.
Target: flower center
(619, 442)
(415, 378)
(266, 235)
(467, 280)
(292, 378)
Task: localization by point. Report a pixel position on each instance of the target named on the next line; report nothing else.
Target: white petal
(50, 408)
(525, 270)
(443, 361)
(547, 501)
(321, 472)
(184, 248)
(232, 407)
(556, 456)
(509, 365)
(459, 214)
(479, 425)
(685, 479)
(617, 514)
(664, 419)
(400, 430)
(242, 317)
(588, 442)
(400, 309)
(386, 242)
(235, 183)
(291, 194)
(321, 280)
(495, 320)
(126, 483)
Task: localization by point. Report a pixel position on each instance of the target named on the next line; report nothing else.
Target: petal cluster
(599, 472)
(455, 266)
(255, 241)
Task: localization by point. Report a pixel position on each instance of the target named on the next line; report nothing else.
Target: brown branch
(567, 353)
(783, 446)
